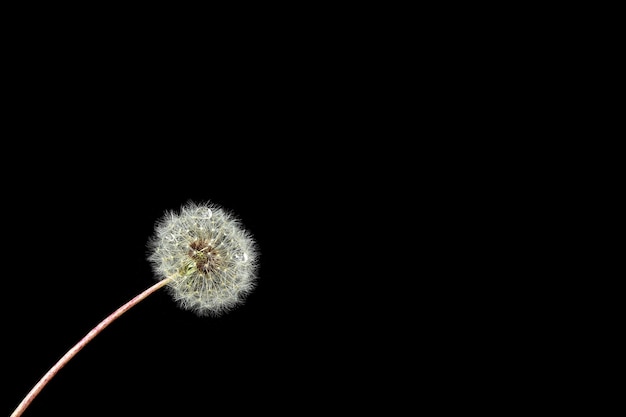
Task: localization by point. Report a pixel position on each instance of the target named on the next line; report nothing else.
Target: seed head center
(204, 255)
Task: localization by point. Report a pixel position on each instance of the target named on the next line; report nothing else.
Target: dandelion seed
(211, 261)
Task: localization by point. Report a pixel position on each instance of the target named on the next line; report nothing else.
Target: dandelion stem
(81, 344)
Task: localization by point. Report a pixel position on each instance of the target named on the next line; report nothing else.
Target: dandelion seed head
(211, 257)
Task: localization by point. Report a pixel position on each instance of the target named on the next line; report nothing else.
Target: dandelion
(204, 257)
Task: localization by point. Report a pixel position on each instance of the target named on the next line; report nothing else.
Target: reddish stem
(81, 344)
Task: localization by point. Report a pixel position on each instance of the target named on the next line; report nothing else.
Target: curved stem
(81, 344)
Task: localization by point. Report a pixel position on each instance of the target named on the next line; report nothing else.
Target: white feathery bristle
(210, 256)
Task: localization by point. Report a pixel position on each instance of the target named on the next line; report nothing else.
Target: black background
(321, 143)
(383, 164)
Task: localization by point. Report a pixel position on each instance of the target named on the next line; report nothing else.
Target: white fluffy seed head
(210, 257)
